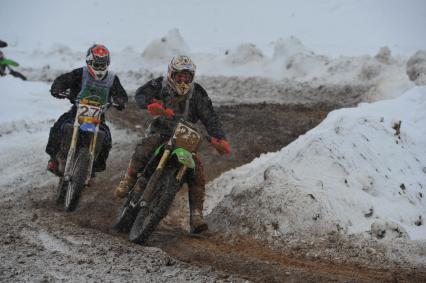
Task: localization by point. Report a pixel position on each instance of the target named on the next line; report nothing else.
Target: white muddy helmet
(180, 74)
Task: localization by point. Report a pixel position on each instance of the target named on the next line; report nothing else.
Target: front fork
(71, 151)
(150, 187)
(162, 162)
(92, 150)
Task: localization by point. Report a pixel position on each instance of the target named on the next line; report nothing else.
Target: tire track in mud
(253, 260)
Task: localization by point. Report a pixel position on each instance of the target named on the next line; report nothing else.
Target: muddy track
(252, 130)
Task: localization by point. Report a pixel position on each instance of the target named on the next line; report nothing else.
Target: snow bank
(244, 53)
(361, 171)
(416, 67)
(27, 112)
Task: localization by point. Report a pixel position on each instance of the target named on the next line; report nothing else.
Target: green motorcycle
(150, 198)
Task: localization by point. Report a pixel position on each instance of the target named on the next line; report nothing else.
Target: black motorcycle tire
(125, 218)
(78, 177)
(60, 191)
(150, 215)
(127, 212)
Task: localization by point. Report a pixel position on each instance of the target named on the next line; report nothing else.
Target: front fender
(184, 157)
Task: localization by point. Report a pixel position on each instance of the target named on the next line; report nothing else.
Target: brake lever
(65, 93)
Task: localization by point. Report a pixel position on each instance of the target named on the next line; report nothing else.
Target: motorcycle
(6, 64)
(80, 145)
(148, 201)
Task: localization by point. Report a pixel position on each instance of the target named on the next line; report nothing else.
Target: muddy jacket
(73, 81)
(199, 107)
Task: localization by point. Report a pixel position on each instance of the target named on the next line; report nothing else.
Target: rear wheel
(151, 213)
(78, 178)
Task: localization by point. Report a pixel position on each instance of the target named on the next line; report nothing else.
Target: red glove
(156, 108)
(222, 145)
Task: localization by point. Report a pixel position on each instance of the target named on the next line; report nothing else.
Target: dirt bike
(5, 64)
(80, 145)
(150, 198)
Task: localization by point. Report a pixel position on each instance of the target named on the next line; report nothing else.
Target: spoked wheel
(125, 217)
(129, 209)
(78, 177)
(150, 214)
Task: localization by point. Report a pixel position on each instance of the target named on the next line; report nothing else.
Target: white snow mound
(416, 67)
(244, 53)
(165, 48)
(361, 171)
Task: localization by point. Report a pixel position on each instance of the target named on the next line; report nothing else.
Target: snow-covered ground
(26, 114)
(361, 171)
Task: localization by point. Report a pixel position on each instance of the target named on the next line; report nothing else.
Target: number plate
(88, 113)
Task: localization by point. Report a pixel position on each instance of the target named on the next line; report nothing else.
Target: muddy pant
(196, 180)
(57, 132)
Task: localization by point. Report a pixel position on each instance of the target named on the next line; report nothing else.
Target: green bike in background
(5, 65)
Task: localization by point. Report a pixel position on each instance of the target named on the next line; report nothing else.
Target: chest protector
(96, 90)
(179, 104)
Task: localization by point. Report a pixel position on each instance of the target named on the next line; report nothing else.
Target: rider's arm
(118, 94)
(71, 80)
(207, 115)
(148, 92)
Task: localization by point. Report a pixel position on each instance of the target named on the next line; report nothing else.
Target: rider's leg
(105, 134)
(196, 194)
(140, 158)
(54, 141)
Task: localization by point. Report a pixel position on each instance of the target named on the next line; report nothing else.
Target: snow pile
(245, 53)
(416, 67)
(361, 171)
(166, 47)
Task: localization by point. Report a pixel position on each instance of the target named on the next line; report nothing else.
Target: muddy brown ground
(251, 130)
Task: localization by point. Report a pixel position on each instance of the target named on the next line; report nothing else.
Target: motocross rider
(176, 94)
(95, 77)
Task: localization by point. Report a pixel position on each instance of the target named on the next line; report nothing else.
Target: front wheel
(129, 210)
(151, 213)
(60, 191)
(78, 178)
(125, 217)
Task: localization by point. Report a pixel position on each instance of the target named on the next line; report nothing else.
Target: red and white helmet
(97, 59)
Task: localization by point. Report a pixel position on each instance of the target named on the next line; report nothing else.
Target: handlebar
(64, 93)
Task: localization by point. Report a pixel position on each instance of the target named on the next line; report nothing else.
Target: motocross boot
(197, 222)
(53, 166)
(126, 184)
(92, 180)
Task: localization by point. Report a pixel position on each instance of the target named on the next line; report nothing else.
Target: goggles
(99, 66)
(183, 77)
